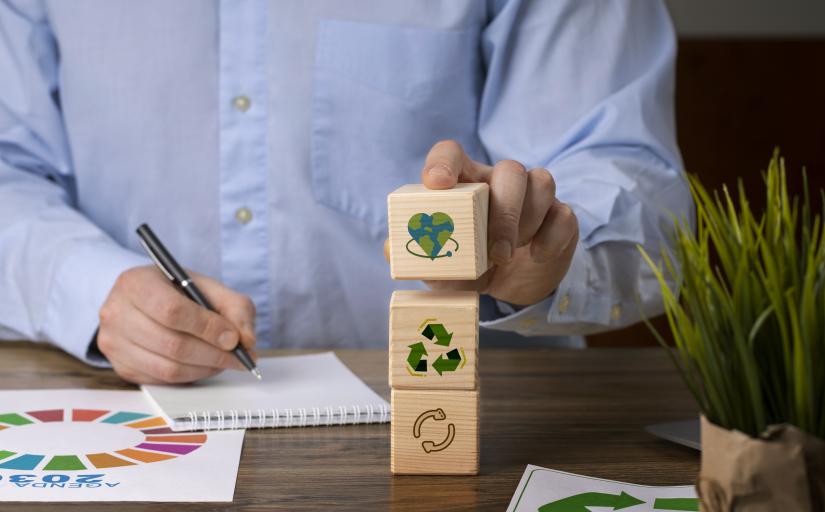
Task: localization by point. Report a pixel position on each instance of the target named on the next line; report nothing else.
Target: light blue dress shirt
(260, 139)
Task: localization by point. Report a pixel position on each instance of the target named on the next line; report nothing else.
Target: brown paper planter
(781, 470)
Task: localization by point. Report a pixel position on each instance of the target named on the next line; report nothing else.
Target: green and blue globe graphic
(432, 233)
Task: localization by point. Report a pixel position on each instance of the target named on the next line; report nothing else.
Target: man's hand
(152, 333)
(532, 236)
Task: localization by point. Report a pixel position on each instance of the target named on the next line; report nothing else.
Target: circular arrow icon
(437, 415)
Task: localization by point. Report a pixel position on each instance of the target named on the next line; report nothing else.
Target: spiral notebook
(296, 391)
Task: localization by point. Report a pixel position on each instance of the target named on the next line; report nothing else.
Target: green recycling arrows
(416, 357)
(439, 335)
(582, 502)
(449, 364)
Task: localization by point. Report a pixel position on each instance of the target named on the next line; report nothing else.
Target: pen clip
(155, 259)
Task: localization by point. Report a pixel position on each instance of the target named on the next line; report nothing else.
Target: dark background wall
(736, 99)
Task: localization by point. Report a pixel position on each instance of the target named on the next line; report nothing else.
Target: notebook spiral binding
(275, 418)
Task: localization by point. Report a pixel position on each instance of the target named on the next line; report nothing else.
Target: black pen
(170, 268)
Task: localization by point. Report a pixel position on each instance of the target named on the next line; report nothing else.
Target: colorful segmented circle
(159, 441)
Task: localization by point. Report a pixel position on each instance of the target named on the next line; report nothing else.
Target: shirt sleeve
(585, 90)
(56, 266)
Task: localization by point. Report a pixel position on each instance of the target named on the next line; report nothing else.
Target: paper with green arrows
(547, 490)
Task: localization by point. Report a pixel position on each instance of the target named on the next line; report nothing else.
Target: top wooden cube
(438, 234)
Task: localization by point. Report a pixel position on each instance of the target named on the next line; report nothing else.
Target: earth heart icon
(432, 233)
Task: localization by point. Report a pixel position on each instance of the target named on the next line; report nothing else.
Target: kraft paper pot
(781, 470)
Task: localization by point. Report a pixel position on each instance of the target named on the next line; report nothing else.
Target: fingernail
(226, 338)
(501, 251)
(439, 172)
(566, 245)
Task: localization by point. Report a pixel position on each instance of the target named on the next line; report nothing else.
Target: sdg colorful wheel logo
(432, 233)
(155, 441)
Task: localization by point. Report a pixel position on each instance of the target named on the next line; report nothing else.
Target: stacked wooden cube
(433, 356)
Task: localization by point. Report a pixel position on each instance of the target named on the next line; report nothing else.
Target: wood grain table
(575, 410)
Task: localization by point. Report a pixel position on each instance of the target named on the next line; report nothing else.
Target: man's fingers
(130, 371)
(170, 308)
(175, 345)
(141, 366)
(242, 314)
(508, 185)
(447, 164)
(540, 196)
(559, 230)
(443, 165)
(160, 368)
(478, 285)
(464, 286)
(236, 307)
(152, 333)
(132, 375)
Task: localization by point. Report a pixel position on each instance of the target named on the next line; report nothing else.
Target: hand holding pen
(152, 333)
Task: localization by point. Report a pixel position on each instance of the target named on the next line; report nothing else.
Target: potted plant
(747, 314)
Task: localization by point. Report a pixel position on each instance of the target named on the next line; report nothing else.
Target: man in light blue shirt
(260, 139)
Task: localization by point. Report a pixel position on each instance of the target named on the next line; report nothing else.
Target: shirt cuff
(550, 315)
(572, 309)
(80, 285)
(520, 321)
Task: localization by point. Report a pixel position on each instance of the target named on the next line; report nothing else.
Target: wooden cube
(438, 234)
(434, 432)
(434, 340)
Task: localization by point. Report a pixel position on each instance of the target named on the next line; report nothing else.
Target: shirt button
(564, 304)
(243, 215)
(241, 103)
(616, 312)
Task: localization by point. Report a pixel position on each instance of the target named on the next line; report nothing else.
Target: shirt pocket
(382, 96)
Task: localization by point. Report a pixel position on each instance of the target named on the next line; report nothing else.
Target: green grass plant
(747, 312)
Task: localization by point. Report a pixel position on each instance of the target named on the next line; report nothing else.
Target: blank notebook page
(304, 390)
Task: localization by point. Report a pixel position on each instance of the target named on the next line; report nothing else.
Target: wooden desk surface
(575, 410)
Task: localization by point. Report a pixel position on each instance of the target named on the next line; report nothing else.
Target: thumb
(443, 165)
(448, 164)
(235, 307)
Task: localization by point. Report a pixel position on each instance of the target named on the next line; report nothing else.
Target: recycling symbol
(446, 362)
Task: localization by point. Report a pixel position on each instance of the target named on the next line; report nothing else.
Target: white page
(547, 490)
(58, 427)
(289, 383)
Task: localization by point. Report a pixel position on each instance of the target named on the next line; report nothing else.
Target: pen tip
(257, 373)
